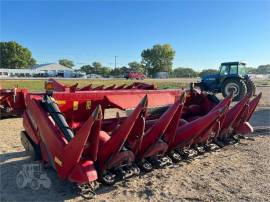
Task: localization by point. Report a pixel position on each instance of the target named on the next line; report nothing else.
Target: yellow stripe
(88, 105)
(57, 160)
(61, 102)
(75, 105)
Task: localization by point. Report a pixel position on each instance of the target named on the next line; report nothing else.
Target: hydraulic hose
(58, 117)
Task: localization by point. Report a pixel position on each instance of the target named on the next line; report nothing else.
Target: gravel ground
(239, 172)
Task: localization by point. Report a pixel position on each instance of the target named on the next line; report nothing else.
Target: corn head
(109, 134)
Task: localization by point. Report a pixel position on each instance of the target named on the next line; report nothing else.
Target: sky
(203, 33)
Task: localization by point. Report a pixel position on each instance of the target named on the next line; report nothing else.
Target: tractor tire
(238, 87)
(34, 184)
(251, 88)
(30, 147)
(20, 180)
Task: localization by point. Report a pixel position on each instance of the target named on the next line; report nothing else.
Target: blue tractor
(232, 77)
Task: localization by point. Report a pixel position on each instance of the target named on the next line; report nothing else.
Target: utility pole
(115, 61)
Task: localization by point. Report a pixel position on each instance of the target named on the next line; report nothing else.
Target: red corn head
(233, 115)
(86, 88)
(72, 161)
(120, 87)
(186, 134)
(112, 87)
(99, 87)
(152, 143)
(113, 146)
(64, 156)
(243, 126)
(59, 87)
(170, 132)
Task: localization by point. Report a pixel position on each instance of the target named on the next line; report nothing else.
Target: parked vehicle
(232, 77)
(135, 75)
(94, 76)
(78, 74)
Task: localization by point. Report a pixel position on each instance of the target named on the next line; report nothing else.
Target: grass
(38, 85)
(262, 82)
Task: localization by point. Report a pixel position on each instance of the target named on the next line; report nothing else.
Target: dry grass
(38, 84)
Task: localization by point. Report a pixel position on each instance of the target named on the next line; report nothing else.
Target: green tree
(96, 68)
(184, 72)
(208, 71)
(105, 71)
(263, 69)
(159, 58)
(88, 69)
(120, 72)
(136, 67)
(15, 56)
(66, 63)
(97, 65)
(251, 70)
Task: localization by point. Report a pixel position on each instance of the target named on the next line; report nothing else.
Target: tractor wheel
(35, 185)
(251, 88)
(30, 147)
(238, 87)
(20, 180)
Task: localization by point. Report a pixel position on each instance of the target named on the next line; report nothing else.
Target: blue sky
(203, 33)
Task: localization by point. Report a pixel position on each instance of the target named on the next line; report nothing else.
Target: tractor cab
(233, 69)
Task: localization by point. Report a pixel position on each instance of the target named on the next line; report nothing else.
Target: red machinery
(12, 102)
(59, 87)
(68, 130)
(135, 75)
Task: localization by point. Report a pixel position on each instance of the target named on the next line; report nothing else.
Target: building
(161, 75)
(54, 70)
(18, 72)
(44, 70)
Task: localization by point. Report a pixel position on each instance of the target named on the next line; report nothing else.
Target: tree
(66, 63)
(184, 72)
(159, 58)
(251, 70)
(88, 69)
(135, 67)
(120, 72)
(15, 56)
(208, 71)
(105, 71)
(96, 68)
(263, 69)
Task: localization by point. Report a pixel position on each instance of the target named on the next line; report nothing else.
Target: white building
(44, 70)
(54, 70)
(18, 72)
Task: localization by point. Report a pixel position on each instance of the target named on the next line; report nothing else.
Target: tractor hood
(210, 77)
